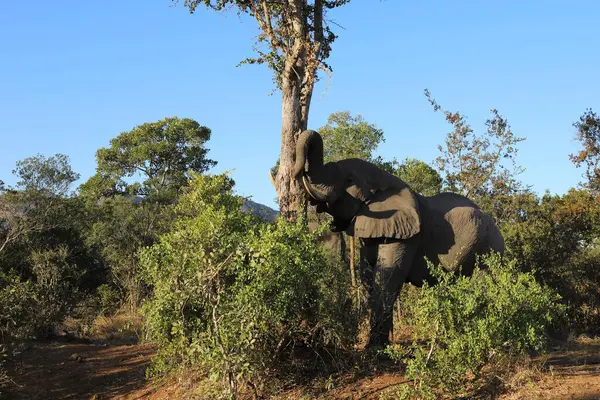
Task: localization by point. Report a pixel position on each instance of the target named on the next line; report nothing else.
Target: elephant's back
(446, 201)
(460, 230)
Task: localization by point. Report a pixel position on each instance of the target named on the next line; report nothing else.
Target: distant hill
(260, 209)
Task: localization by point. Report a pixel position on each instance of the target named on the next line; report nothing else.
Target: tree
(295, 42)
(557, 238)
(420, 176)
(138, 179)
(346, 136)
(161, 153)
(480, 167)
(120, 229)
(30, 205)
(45, 265)
(588, 133)
(52, 175)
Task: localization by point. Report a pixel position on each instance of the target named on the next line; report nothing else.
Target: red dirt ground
(74, 370)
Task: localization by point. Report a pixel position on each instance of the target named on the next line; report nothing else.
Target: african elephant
(397, 227)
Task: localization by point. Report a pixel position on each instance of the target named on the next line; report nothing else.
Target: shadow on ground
(59, 369)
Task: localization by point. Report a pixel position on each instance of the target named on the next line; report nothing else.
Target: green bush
(557, 238)
(17, 306)
(236, 297)
(582, 288)
(464, 323)
(46, 268)
(34, 307)
(108, 299)
(120, 228)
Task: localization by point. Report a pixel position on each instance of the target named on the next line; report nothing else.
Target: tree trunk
(288, 187)
(293, 121)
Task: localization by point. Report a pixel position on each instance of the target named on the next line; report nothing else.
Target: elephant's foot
(378, 341)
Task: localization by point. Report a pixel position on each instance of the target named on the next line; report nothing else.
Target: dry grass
(587, 340)
(510, 376)
(4, 379)
(124, 327)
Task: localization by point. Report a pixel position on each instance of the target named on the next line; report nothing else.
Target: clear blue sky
(74, 74)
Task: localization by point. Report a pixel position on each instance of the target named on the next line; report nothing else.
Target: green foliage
(588, 133)
(45, 286)
(17, 304)
(57, 279)
(480, 167)
(120, 228)
(161, 153)
(109, 299)
(557, 237)
(280, 32)
(463, 323)
(38, 200)
(130, 198)
(52, 175)
(45, 266)
(346, 136)
(234, 296)
(419, 175)
(35, 306)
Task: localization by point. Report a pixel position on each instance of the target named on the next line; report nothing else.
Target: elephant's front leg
(388, 264)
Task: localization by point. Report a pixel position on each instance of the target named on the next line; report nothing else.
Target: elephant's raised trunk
(309, 147)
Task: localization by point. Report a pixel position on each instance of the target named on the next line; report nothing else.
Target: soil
(62, 369)
(573, 372)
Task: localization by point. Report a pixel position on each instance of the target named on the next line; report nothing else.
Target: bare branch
(268, 25)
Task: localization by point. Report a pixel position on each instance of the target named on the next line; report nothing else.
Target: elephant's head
(364, 200)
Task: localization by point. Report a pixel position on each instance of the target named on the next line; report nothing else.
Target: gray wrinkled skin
(397, 227)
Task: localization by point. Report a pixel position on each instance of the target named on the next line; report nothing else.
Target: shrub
(557, 238)
(463, 323)
(235, 297)
(36, 306)
(56, 287)
(17, 306)
(581, 288)
(108, 299)
(46, 268)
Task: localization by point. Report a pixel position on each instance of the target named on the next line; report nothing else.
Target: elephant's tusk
(307, 188)
(272, 179)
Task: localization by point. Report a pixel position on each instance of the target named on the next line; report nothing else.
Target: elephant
(398, 229)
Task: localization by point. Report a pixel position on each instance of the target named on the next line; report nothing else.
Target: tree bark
(297, 85)
(292, 121)
(288, 187)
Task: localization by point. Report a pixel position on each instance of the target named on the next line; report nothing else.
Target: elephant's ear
(392, 213)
